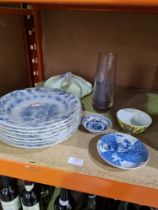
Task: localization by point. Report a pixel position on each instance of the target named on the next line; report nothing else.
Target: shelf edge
(80, 182)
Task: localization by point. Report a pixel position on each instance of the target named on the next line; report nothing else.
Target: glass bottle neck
(29, 186)
(64, 200)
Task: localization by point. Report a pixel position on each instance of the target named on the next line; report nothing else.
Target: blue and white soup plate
(96, 123)
(122, 151)
(37, 107)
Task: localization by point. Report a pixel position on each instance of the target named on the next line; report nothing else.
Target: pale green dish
(71, 83)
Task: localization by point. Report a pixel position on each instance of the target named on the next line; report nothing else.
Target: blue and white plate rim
(48, 144)
(40, 130)
(19, 137)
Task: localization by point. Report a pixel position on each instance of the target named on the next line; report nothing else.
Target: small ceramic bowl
(133, 120)
(96, 123)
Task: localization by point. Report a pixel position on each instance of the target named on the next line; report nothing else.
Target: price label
(75, 161)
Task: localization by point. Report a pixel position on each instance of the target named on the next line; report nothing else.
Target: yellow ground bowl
(133, 120)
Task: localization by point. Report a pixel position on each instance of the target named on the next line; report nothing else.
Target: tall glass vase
(102, 97)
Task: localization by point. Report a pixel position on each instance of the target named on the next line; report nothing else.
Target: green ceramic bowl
(133, 121)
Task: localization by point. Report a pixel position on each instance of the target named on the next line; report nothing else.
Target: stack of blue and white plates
(38, 117)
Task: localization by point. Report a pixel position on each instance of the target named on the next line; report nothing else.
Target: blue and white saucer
(122, 151)
(96, 123)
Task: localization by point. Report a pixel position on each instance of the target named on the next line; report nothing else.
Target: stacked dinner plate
(38, 117)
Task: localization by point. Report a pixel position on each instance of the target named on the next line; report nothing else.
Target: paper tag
(75, 161)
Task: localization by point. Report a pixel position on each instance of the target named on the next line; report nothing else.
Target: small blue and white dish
(96, 123)
(122, 151)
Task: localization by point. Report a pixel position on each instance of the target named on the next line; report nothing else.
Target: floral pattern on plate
(37, 107)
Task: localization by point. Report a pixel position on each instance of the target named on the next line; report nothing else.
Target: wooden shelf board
(50, 165)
